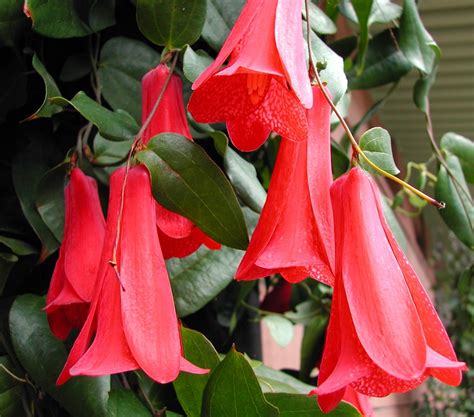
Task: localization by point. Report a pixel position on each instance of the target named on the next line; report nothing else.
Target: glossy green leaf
(377, 146)
(12, 21)
(333, 74)
(297, 405)
(242, 174)
(304, 312)
(233, 391)
(281, 329)
(415, 41)
(185, 180)
(319, 21)
(220, 18)
(122, 65)
(47, 109)
(7, 262)
(190, 388)
(110, 152)
(384, 63)
(36, 157)
(382, 11)
(459, 211)
(362, 9)
(17, 246)
(421, 90)
(113, 125)
(43, 356)
(194, 63)
(201, 276)
(101, 14)
(463, 148)
(394, 225)
(124, 403)
(272, 380)
(50, 199)
(312, 346)
(171, 23)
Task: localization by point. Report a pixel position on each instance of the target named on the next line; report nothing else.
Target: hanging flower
(359, 401)
(265, 81)
(132, 322)
(74, 276)
(294, 235)
(384, 334)
(179, 237)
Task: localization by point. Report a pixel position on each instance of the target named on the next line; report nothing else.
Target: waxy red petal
(359, 401)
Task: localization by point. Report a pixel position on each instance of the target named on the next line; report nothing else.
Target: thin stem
(136, 143)
(16, 378)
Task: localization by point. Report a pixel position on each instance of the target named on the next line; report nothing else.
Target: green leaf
(220, 18)
(394, 224)
(36, 157)
(281, 329)
(339, 159)
(272, 380)
(47, 109)
(459, 211)
(333, 74)
(110, 152)
(294, 405)
(312, 346)
(463, 148)
(415, 41)
(43, 356)
(171, 23)
(190, 388)
(362, 9)
(123, 63)
(304, 313)
(319, 21)
(233, 391)
(101, 14)
(50, 199)
(124, 403)
(377, 146)
(12, 21)
(18, 247)
(7, 262)
(382, 11)
(194, 63)
(75, 67)
(13, 81)
(10, 391)
(185, 180)
(113, 125)
(384, 63)
(242, 174)
(421, 90)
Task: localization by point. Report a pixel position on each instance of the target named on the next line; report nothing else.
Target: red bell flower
(384, 334)
(294, 235)
(74, 276)
(359, 401)
(179, 237)
(132, 321)
(265, 81)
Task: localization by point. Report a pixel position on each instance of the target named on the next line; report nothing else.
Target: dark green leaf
(312, 346)
(362, 9)
(233, 391)
(339, 159)
(304, 313)
(281, 329)
(12, 21)
(43, 357)
(76, 67)
(190, 388)
(12, 81)
(463, 148)
(394, 225)
(56, 19)
(319, 21)
(124, 403)
(171, 23)
(26, 181)
(101, 14)
(113, 125)
(333, 74)
(194, 63)
(220, 18)
(123, 63)
(422, 88)
(459, 211)
(18, 247)
(47, 109)
(415, 41)
(384, 63)
(377, 146)
(382, 11)
(185, 180)
(294, 405)
(110, 152)
(242, 174)
(7, 262)
(50, 199)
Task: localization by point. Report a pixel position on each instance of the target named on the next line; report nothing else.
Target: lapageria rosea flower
(74, 277)
(360, 401)
(265, 84)
(294, 235)
(179, 237)
(384, 334)
(132, 321)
